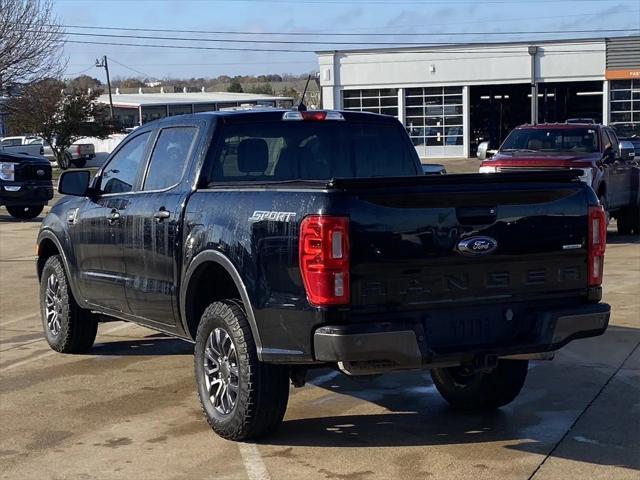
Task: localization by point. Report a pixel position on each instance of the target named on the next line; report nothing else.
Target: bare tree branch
(31, 41)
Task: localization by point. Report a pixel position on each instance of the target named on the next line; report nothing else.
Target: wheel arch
(49, 245)
(198, 291)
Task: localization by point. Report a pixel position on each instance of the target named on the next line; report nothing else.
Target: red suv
(607, 164)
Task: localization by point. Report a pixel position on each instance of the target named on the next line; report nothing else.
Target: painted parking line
(253, 463)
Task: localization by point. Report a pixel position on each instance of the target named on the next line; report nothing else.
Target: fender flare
(49, 235)
(213, 256)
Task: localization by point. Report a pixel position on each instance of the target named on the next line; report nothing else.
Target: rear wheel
(25, 212)
(241, 397)
(67, 327)
(624, 221)
(469, 390)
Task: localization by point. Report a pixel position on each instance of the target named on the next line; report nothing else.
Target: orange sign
(622, 74)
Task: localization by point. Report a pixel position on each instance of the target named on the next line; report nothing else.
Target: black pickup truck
(25, 184)
(280, 241)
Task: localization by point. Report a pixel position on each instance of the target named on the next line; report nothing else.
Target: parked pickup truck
(279, 241)
(607, 164)
(77, 154)
(25, 184)
(21, 145)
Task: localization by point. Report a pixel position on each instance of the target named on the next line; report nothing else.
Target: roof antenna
(301, 106)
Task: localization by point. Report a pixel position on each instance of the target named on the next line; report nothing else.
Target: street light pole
(105, 64)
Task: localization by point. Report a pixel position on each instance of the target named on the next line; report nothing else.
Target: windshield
(294, 150)
(553, 140)
(627, 130)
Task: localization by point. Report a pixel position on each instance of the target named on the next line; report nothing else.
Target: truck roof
(564, 126)
(270, 114)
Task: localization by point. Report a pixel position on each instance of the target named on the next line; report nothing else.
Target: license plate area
(472, 329)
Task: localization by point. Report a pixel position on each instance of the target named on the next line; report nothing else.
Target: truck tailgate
(407, 240)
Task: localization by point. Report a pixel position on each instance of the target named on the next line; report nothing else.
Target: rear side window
(169, 158)
(281, 151)
(120, 173)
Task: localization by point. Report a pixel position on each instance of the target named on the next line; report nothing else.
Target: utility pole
(104, 64)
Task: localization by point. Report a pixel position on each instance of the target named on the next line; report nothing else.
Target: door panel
(97, 239)
(98, 226)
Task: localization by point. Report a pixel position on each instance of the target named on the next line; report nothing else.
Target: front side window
(169, 157)
(553, 140)
(120, 173)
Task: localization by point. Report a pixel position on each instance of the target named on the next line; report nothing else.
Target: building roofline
(428, 48)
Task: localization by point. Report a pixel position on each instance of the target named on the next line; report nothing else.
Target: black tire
(261, 390)
(624, 219)
(74, 329)
(80, 162)
(64, 162)
(481, 391)
(634, 220)
(25, 212)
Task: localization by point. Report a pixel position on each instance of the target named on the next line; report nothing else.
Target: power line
(80, 72)
(133, 69)
(324, 34)
(310, 42)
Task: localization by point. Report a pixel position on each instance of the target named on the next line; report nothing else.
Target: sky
(326, 17)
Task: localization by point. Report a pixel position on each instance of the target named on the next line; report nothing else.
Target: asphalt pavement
(128, 410)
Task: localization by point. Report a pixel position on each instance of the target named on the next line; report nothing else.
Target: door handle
(113, 217)
(162, 214)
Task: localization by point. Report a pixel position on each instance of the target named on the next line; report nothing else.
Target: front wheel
(67, 327)
(241, 397)
(469, 390)
(80, 162)
(25, 212)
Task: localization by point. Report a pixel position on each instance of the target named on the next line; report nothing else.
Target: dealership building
(452, 97)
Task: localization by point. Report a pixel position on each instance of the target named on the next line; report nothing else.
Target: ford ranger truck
(281, 241)
(608, 165)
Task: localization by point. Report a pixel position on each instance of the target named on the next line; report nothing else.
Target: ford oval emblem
(477, 245)
(40, 172)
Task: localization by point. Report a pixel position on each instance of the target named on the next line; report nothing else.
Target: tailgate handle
(476, 215)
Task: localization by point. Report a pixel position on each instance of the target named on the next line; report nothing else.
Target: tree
(59, 116)
(235, 87)
(290, 92)
(85, 82)
(263, 88)
(129, 83)
(31, 41)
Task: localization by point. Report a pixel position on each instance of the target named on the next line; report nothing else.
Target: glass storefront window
(383, 101)
(624, 104)
(440, 109)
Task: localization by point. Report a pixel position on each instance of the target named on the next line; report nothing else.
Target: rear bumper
(26, 194)
(385, 345)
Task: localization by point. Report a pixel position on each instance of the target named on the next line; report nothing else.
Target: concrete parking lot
(129, 409)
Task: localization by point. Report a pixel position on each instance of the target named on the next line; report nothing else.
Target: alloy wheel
(221, 371)
(53, 305)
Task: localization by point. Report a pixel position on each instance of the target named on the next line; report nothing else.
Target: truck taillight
(597, 243)
(78, 150)
(324, 259)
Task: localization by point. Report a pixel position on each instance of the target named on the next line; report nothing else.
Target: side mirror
(627, 151)
(608, 156)
(75, 182)
(482, 150)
